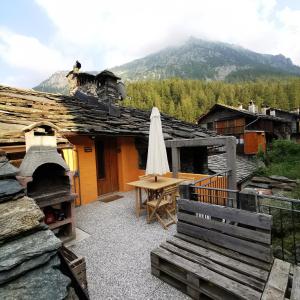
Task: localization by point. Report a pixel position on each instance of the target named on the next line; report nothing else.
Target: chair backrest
(242, 231)
(170, 192)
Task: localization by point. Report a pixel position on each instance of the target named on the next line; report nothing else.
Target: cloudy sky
(39, 37)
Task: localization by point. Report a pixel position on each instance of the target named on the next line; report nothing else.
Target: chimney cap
(40, 124)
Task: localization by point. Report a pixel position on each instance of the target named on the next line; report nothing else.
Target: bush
(284, 149)
(282, 158)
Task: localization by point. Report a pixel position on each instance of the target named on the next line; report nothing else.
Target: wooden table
(150, 185)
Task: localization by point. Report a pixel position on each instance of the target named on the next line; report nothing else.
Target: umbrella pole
(155, 178)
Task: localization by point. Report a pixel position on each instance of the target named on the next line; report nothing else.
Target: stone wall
(29, 263)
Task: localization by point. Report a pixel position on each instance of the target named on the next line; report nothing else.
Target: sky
(40, 37)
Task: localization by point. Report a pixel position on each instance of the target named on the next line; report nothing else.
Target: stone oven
(46, 177)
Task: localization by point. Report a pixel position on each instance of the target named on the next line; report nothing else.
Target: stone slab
(44, 283)
(281, 178)
(26, 248)
(10, 189)
(6, 168)
(25, 266)
(18, 216)
(261, 179)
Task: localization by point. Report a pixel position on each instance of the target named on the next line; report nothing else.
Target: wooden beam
(278, 280)
(231, 165)
(175, 161)
(210, 141)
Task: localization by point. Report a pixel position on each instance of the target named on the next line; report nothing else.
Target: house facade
(104, 144)
(253, 129)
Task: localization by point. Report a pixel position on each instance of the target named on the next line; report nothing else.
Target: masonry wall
(85, 148)
(128, 163)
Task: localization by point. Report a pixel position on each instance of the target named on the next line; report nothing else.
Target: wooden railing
(212, 189)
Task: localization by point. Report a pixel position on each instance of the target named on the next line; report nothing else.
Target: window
(141, 145)
(210, 126)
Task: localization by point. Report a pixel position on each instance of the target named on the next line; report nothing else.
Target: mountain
(201, 59)
(195, 59)
(56, 83)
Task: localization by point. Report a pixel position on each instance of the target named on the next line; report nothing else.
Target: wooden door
(107, 165)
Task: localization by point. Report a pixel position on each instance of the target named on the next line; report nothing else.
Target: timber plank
(232, 274)
(221, 259)
(257, 220)
(236, 244)
(244, 233)
(295, 293)
(226, 252)
(181, 283)
(277, 283)
(236, 288)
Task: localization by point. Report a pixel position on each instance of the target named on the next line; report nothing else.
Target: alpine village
(173, 176)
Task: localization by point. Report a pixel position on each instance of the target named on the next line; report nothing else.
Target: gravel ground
(118, 249)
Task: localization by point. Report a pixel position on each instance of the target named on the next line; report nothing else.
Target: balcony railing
(286, 225)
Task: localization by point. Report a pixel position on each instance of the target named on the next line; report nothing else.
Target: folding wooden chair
(165, 205)
(148, 192)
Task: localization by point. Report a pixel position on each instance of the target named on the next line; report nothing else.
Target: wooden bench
(223, 253)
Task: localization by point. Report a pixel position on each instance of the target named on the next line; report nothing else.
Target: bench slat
(229, 229)
(221, 259)
(226, 252)
(238, 289)
(249, 248)
(229, 273)
(257, 220)
(295, 293)
(277, 282)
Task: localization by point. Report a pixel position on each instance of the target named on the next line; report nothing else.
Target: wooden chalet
(103, 144)
(292, 116)
(253, 130)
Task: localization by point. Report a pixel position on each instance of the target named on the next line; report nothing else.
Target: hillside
(187, 99)
(200, 59)
(196, 59)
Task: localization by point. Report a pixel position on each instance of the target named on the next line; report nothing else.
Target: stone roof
(80, 115)
(244, 166)
(244, 112)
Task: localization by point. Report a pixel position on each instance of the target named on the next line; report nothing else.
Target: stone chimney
(296, 111)
(251, 107)
(272, 112)
(264, 109)
(105, 86)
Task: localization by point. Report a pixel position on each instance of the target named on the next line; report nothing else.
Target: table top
(150, 183)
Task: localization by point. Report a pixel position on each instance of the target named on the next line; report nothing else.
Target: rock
(18, 216)
(6, 168)
(261, 179)
(259, 185)
(282, 186)
(44, 283)
(24, 248)
(25, 266)
(281, 178)
(10, 189)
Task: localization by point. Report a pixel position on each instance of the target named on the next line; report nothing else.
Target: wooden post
(175, 161)
(231, 165)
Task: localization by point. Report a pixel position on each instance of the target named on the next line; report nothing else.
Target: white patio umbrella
(157, 160)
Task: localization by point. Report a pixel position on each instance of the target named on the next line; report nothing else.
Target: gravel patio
(118, 249)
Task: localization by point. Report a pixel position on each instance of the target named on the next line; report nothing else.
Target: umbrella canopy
(157, 160)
